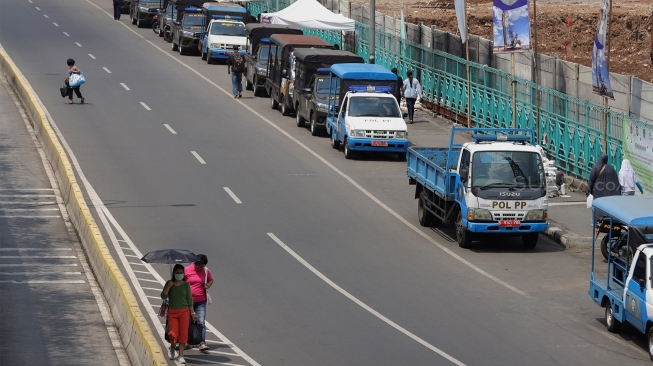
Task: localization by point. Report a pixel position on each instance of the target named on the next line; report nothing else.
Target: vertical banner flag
(403, 26)
(638, 149)
(462, 19)
(512, 26)
(600, 72)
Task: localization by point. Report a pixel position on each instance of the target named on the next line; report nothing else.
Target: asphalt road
(323, 262)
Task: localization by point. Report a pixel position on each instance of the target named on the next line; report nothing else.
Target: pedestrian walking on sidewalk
(604, 180)
(200, 280)
(400, 86)
(180, 311)
(72, 69)
(116, 9)
(628, 180)
(236, 67)
(412, 91)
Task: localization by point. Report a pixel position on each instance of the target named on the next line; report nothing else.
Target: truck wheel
(334, 143)
(248, 85)
(314, 130)
(301, 121)
(131, 15)
(257, 90)
(285, 111)
(204, 54)
(401, 156)
(209, 59)
(611, 323)
(174, 46)
(604, 246)
(423, 215)
(182, 49)
(161, 32)
(349, 154)
(139, 24)
(463, 237)
(530, 240)
(273, 102)
(650, 343)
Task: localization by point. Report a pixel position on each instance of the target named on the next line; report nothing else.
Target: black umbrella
(170, 256)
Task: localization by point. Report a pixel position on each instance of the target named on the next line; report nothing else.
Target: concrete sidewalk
(569, 218)
(51, 309)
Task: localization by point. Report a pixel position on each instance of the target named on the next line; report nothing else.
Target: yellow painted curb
(141, 345)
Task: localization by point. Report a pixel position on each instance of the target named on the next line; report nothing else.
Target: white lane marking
(195, 154)
(27, 203)
(149, 288)
(146, 107)
(107, 70)
(26, 189)
(141, 272)
(136, 264)
(334, 168)
(146, 280)
(67, 35)
(39, 265)
(218, 342)
(37, 273)
(55, 24)
(224, 353)
(26, 195)
(37, 8)
(28, 209)
(44, 281)
(37, 256)
(27, 217)
(133, 256)
(125, 86)
(47, 17)
(154, 297)
(30, 1)
(78, 44)
(211, 362)
(229, 192)
(125, 248)
(33, 249)
(567, 203)
(170, 129)
(91, 56)
(363, 305)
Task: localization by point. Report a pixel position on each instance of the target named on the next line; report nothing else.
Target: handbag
(206, 280)
(167, 330)
(64, 91)
(195, 333)
(76, 80)
(163, 310)
(590, 198)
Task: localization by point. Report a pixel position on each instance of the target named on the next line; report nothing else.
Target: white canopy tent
(309, 14)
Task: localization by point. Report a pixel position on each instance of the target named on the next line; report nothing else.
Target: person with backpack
(412, 90)
(236, 67)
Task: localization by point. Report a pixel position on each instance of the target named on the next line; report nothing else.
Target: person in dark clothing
(236, 67)
(116, 9)
(72, 69)
(400, 86)
(336, 46)
(603, 180)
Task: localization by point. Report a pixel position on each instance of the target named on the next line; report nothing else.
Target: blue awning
(630, 210)
(362, 72)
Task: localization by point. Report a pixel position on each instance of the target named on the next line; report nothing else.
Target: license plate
(380, 143)
(509, 223)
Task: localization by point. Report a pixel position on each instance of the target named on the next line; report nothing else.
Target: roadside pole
(605, 98)
(372, 30)
(514, 90)
(537, 76)
(469, 79)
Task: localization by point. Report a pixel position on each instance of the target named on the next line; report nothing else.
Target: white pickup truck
(219, 39)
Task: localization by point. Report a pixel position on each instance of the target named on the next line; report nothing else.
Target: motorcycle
(617, 242)
(155, 24)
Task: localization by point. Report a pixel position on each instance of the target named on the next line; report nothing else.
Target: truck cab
(258, 50)
(368, 117)
(311, 84)
(624, 286)
(281, 67)
(174, 10)
(186, 32)
(142, 12)
(223, 27)
(494, 185)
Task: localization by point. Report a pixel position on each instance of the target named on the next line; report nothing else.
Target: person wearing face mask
(200, 280)
(180, 310)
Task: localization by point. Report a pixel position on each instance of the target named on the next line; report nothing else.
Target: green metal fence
(571, 130)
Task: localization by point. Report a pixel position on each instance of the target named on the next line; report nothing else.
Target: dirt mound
(630, 29)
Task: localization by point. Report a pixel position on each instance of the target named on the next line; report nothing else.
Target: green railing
(574, 128)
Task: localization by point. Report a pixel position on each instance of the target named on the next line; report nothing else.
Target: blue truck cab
(494, 185)
(363, 114)
(223, 28)
(624, 287)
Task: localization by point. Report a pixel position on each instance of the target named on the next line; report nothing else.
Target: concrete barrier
(141, 346)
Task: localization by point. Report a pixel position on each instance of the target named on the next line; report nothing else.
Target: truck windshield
(373, 107)
(191, 20)
(322, 86)
(263, 52)
(228, 29)
(507, 169)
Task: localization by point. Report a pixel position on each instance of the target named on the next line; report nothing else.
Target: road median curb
(141, 345)
(568, 239)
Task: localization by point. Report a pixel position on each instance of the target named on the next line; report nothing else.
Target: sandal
(82, 101)
(70, 101)
(410, 122)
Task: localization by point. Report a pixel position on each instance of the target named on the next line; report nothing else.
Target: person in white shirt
(412, 91)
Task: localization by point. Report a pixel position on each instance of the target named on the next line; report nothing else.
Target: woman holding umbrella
(180, 310)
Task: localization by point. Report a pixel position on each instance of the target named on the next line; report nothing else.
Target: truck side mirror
(464, 173)
(642, 282)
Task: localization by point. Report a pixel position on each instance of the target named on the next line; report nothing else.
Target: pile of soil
(630, 42)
